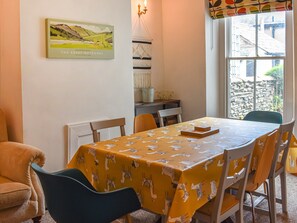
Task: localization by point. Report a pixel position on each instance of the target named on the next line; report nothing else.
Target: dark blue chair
(70, 198)
(264, 116)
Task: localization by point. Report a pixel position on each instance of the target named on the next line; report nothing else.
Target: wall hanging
(142, 51)
(142, 57)
(72, 39)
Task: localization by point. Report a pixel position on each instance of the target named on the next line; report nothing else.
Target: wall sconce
(142, 12)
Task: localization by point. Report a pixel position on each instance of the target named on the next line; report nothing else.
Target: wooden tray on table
(200, 132)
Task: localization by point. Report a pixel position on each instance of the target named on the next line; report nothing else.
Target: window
(256, 63)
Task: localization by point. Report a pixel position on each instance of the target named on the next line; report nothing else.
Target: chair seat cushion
(228, 202)
(12, 193)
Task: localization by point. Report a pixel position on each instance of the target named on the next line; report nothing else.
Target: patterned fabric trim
(226, 8)
(142, 63)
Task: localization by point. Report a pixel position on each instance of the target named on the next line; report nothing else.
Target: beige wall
(177, 29)
(184, 54)
(61, 91)
(10, 70)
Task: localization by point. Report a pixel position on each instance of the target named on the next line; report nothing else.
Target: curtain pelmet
(227, 8)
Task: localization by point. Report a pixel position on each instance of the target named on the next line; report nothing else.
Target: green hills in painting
(78, 37)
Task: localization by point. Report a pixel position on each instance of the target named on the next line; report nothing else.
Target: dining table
(173, 174)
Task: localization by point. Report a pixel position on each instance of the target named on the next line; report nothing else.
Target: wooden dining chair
(168, 113)
(144, 122)
(258, 177)
(98, 125)
(264, 116)
(278, 167)
(226, 204)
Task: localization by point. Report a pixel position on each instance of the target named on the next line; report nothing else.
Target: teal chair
(264, 116)
(70, 198)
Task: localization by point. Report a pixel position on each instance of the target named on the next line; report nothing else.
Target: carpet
(281, 217)
(140, 216)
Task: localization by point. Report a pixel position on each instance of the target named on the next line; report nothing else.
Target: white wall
(289, 98)
(184, 54)
(61, 91)
(149, 26)
(212, 66)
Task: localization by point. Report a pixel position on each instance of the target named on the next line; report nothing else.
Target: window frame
(225, 55)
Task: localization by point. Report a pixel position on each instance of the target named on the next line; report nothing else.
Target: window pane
(256, 80)
(270, 85)
(271, 34)
(241, 87)
(243, 36)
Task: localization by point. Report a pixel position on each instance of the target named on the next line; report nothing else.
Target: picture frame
(79, 40)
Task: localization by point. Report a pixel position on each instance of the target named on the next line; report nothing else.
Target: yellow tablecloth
(173, 175)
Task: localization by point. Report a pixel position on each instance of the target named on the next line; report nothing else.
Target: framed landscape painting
(71, 39)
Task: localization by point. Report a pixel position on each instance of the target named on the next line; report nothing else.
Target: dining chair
(225, 204)
(144, 122)
(264, 116)
(71, 198)
(260, 174)
(168, 113)
(278, 168)
(98, 125)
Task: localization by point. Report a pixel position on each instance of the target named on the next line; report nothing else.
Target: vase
(148, 94)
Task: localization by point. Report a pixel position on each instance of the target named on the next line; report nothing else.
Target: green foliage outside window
(277, 73)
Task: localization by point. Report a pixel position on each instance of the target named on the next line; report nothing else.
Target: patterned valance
(226, 8)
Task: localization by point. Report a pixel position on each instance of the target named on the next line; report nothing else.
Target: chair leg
(128, 218)
(239, 215)
(284, 192)
(272, 199)
(37, 219)
(253, 208)
(268, 200)
(265, 186)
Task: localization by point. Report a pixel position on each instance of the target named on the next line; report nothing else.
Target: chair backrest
(243, 152)
(3, 127)
(170, 112)
(265, 161)
(282, 148)
(144, 122)
(59, 192)
(70, 200)
(97, 125)
(264, 116)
